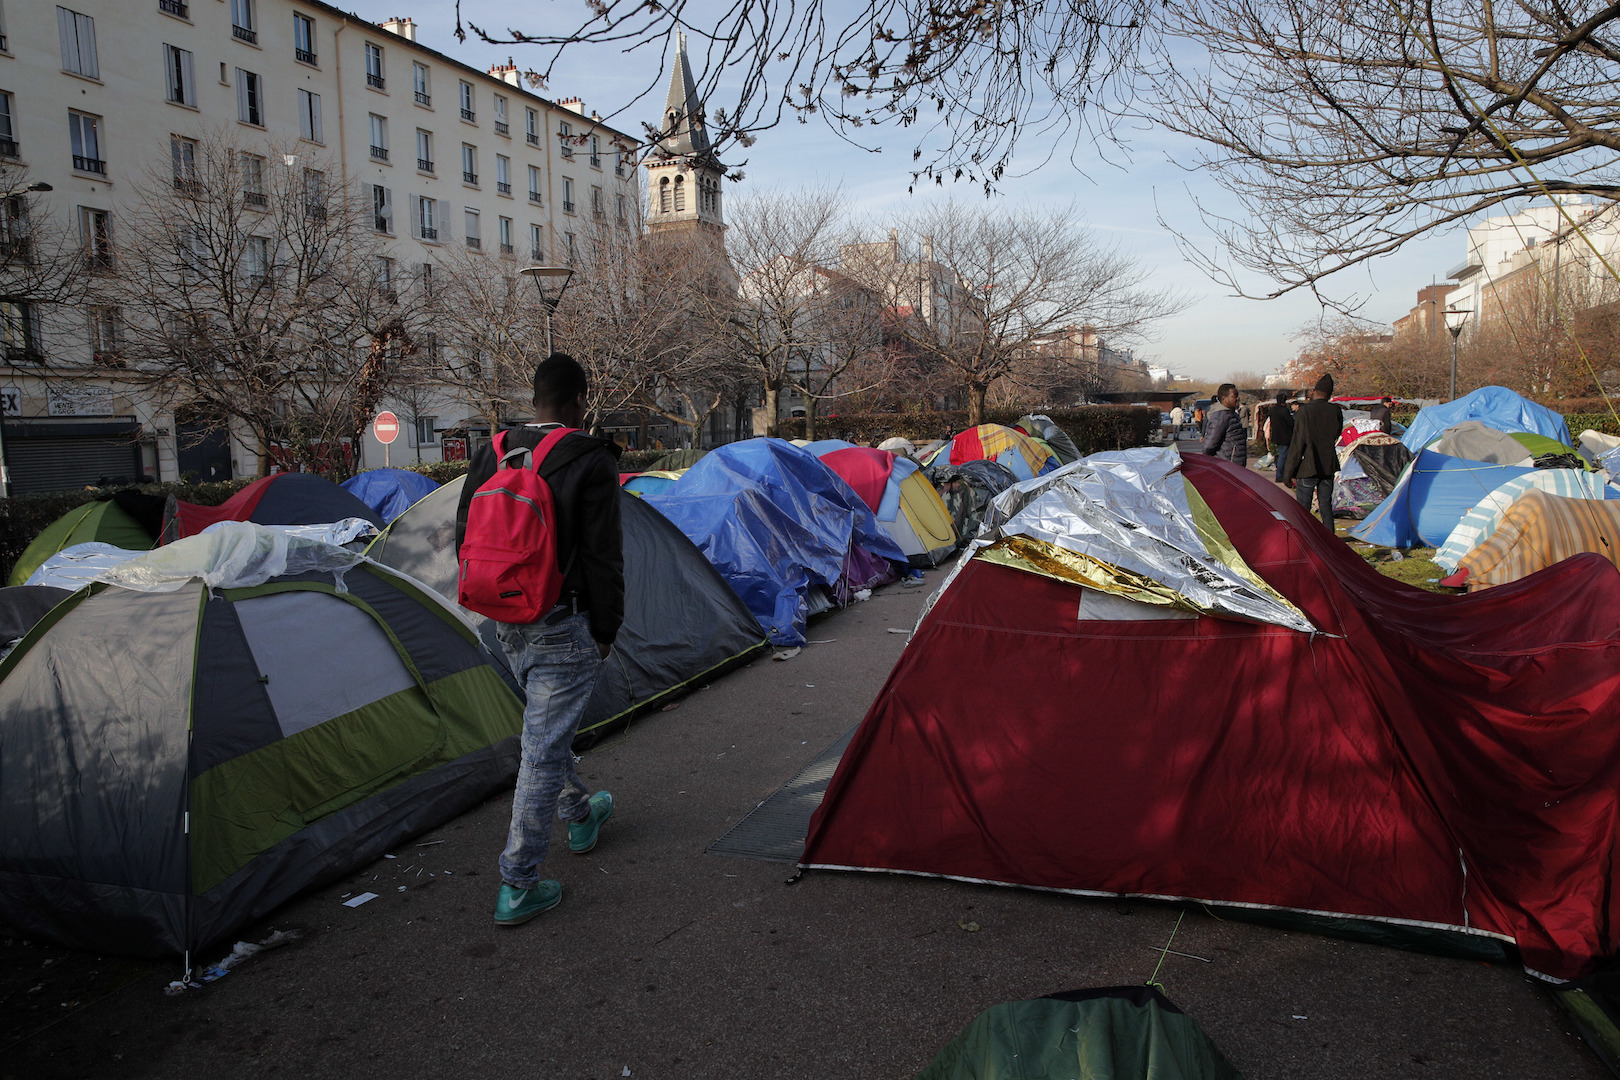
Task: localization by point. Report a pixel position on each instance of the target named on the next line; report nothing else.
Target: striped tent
(906, 504)
(1003, 445)
(1481, 522)
(1539, 530)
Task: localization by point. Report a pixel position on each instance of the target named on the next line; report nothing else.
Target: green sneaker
(516, 906)
(582, 834)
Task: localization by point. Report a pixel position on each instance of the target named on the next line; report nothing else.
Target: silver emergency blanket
(1124, 523)
(74, 567)
(339, 533)
(236, 554)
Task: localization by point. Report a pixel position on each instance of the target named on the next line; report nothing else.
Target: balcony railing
(99, 262)
(568, 207)
(596, 161)
(534, 138)
(173, 7)
(188, 185)
(242, 33)
(506, 249)
(8, 147)
(534, 253)
(380, 153)
(474, 243)
(380, 223)
(316, 211)
(501, 128)
(374, 81)
(89, 164)
(567, 151)
(469, 177)
(304, 55)
(255, 198)
(503, 187)
(429, 232)
(424, 164)
(534, 197)
(468, 114)
(422, 98)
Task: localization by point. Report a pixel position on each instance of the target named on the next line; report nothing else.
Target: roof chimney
(405, 28)
(573, 104)
(507, 72)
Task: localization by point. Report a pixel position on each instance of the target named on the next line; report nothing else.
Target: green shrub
(1092, 427)
(1597, 421)
(441, 471)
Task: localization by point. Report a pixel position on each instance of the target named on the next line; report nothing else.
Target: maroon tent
(1448, 763)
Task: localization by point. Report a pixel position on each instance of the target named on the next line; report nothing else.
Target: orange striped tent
(1539, 530)
(1003, 445)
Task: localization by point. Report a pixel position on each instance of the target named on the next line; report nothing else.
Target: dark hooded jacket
(583, 473)
(1224, 435)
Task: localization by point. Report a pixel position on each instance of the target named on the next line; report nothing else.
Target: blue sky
(1120, 198)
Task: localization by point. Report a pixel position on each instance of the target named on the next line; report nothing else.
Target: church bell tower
(683, 175)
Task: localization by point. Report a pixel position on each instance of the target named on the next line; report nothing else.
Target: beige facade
(95, 90)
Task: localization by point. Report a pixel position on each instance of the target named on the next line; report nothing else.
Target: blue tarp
(1495, 406)
(774, 521)
(389, 492)
(648, 485)
(1430, 498)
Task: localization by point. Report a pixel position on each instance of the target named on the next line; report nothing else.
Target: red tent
(279, 499)
(864, 469)
(1451, 763)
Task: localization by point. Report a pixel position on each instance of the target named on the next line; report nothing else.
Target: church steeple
(683, 174)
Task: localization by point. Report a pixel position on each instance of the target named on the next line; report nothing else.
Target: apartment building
(96, 96)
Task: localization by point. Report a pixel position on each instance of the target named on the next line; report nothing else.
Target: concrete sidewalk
(668, 962)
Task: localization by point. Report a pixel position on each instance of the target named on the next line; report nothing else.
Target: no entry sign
(385, 427)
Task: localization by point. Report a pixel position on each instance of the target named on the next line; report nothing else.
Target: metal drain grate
(776, 828)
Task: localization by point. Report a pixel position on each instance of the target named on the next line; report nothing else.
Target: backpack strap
(509, 459)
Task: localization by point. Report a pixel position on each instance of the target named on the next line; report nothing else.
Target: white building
(1501, 247)
(94, 94)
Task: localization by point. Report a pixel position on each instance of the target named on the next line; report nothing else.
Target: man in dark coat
(1383, 413)
(1313, 459)
(1224, 434)
(1280, 431)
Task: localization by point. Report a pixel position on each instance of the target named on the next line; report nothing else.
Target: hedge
(1093, 427)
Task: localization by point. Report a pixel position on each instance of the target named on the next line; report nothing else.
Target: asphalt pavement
(663, 961)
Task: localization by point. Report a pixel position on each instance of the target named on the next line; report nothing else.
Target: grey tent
(1115, 1033)
(682, 621)
(967, 490)
(1045, 428)
(1477, 441)
(186, 745)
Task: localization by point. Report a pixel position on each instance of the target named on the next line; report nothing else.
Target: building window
(426, 218)
(424, 150)
(568, 196)
(249, 98)
(596, 153)
(384, 268)
(183, 155)
(424, 431)
(474, 240)
(469, 164)
(253, 181)
(379, 138)
(382, 209)
(467, 102)
(531, 126)
(663, 195)
(84, 132)
(566, 136)
(597, 206)
(506, 236)
(8, 133)
(243, 28)
(537, 251)
(500, 115)
(426, 278)
(680, 194)
(419, 77)
(95, 231)
(303, 38)
(182, 79)
(573, 250)
(621, 207)
(534, 183)
(309, 116)
(618, 162)
(256, 260)
(503, 174)
(19, 330)
(315, 194)
(78, 34)
(169, 7)
(374, 67)
(106, 335)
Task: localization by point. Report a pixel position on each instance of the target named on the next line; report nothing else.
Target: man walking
(1313, 460)
(1224, 434)
(1178, 417)
(557, 657)
(1280, 431)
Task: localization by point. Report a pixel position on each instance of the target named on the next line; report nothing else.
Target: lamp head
(1456, 319)
(549, 281)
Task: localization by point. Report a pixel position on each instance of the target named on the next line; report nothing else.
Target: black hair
(1282, 397)
(1225, 388)
(558, 380)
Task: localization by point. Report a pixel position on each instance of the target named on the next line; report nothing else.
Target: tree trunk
(810, 404)
(976, 391)
(773, 396)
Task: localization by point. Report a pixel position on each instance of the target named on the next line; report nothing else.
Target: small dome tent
(390, 492)
(906, 504)
(124, 519)
(282, 499)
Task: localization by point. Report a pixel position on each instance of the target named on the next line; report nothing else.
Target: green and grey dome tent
(225, 722)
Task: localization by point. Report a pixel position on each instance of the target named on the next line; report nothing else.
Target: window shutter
(315, 117)
(241, 96)
(188, 79)
(70, 41)
(86, 27)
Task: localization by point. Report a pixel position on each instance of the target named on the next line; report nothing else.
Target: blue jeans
(557, 663)
(1323, 487)
(1281, 452)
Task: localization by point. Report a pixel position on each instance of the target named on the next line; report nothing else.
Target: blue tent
(775, 522)
(1495, 406)
(390, 492)
(1430, 498)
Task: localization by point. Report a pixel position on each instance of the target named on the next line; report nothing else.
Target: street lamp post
(1456, 319)
(549, 281)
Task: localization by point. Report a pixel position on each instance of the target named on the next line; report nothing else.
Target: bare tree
(252, 287)
(1347, 130)
(845, 354)
(42, 264)
(968, 81)
(989, 286)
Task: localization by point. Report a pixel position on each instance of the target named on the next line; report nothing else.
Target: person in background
(1178, 417)
(1312, 458)
(1383, 412)
(1280, 430)
(1224, 433)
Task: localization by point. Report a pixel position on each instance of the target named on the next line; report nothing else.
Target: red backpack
(509, 551)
